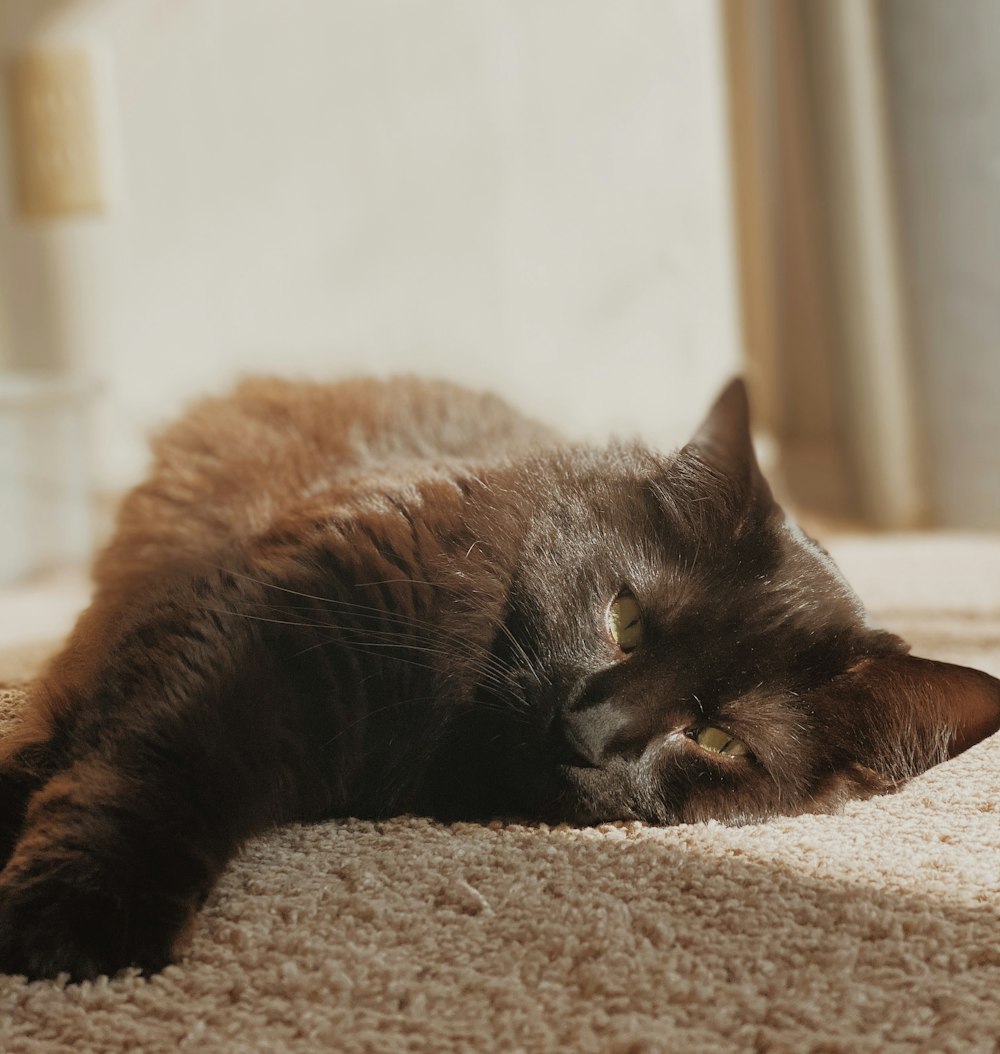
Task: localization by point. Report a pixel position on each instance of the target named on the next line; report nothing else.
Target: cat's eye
(625, 622)
(720, 742)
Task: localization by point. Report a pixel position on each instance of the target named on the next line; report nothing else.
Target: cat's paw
(57, 923)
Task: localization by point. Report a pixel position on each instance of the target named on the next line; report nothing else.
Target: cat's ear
(901, 712)
(723, 439)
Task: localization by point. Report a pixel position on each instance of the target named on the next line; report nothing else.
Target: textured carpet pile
(877, 929)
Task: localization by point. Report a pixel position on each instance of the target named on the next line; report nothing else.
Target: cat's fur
(379, 597)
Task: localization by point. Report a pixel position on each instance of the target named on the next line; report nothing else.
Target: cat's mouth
(653, 786)
(590, 795)
(568, 783)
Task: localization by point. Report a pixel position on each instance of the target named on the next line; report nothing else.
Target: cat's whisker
(406, 581)
(488, 668)
(398, 616)
(394, 705)
(262, 582)
(361, 612)
(367, 715)
(368, 634)
(499, 674)
(366, 649)
(262, 618)
(484, 664)
(485, 676)
(375, 612)
(529, 665)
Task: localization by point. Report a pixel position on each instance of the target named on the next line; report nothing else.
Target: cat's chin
(584, 796)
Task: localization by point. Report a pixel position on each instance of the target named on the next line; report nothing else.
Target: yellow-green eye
(625, 622)
(719, 742)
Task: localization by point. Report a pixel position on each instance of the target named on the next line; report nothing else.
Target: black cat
(373, 598)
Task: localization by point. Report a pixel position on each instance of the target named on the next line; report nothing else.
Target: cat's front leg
(102, 877)
(183, 738)
(112, 861)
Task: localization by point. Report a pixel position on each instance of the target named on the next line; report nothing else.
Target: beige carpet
(875, 930)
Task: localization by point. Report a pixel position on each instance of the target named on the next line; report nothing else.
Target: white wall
(530, 196)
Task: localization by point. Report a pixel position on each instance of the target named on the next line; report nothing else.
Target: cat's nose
(585, 738)
(570, 747)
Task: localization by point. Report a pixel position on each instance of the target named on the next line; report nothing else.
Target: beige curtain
(824, 321)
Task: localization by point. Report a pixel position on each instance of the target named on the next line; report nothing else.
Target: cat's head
(689, 653)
